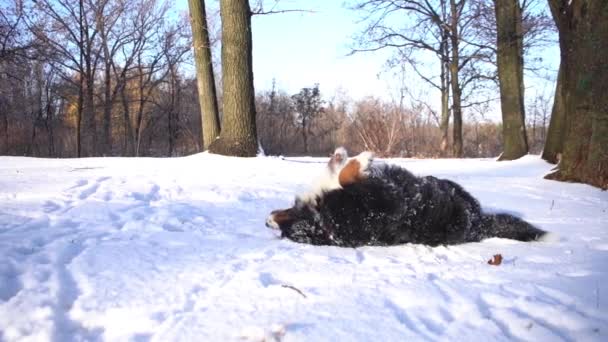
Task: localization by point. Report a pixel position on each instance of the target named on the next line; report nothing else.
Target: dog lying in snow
(357, 202)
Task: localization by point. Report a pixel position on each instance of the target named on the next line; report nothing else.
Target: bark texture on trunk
(108, 105)
(204, 73)
(445, 94)
(454, 79)
(510, 60)
(238, 136)
(555, 134)
(583, 38)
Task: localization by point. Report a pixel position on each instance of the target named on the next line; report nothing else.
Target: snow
(176, 250)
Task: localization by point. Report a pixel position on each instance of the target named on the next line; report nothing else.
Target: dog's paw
(365, 160)
(338, 159)
(307, 199)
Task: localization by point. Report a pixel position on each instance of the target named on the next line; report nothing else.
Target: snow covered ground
(176, 250)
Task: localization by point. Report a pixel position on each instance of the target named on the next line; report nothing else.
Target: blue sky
(304, 48)
(301, 49)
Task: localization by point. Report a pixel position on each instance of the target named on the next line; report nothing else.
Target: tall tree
(238, 136)
(429, 31)
(378, 125)
(139, 68)
(114, 34)
(308, 105)
(71, 35)
(583, 39)
(275, 111)
(555, 134)
(456, 8)
(510, 59)
(173, 49)
(444, 28)
(204, 72)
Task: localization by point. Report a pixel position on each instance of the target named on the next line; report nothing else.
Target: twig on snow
(294, 288)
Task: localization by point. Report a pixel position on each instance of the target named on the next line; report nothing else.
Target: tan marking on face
(280, 216)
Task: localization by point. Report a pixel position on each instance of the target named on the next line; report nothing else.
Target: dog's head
(301, 223)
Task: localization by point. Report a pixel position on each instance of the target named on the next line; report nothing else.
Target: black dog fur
(394, 207)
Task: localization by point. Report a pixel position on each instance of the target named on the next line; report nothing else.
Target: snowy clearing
(176, 250)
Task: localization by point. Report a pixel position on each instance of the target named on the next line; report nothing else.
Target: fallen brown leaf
(496, 260)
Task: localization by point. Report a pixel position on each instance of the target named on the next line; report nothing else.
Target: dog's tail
(510, 227)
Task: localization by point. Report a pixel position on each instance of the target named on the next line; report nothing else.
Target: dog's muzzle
(271, 223)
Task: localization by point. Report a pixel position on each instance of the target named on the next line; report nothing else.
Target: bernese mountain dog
(359, 202)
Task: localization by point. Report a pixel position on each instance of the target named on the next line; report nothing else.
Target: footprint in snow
(10, 282)
(50, 206)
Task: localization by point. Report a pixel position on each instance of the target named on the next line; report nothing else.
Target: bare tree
(456, 8)
(443, 28)
(174, 48)
(15, 47)
(138, 67)
(537, 28)
(556, 133)
(510, 60)
(16, 42)
(114, 64)
(511, 29)
(238, 136)
(71, 36)
(111, 35)
(276, 121)
(378, 125)
(308, 105)
(429, 31)
(539, 112)
(583, 32)
(204, 72)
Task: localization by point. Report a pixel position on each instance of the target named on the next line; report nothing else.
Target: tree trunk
(51, 137)
(555, 134)
(5, 125)
(106, 147)
(128, 127)
(30, 146)
(139, 118)
(48, 121)
(81, 83)
(108, 98)
(445, 107)
(204, 73)
(583, 32)
(511, 78)
(533, 142)
(172, 114)
(89, 126)
(457, 110)
(238, 136)
(456, 91)
(305, 136)
(445, 114)
(79, 113)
